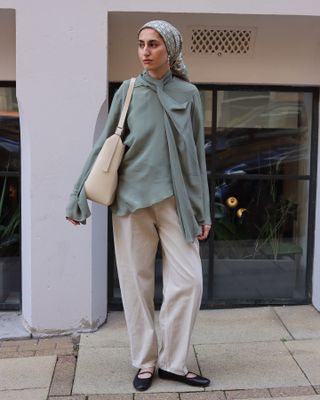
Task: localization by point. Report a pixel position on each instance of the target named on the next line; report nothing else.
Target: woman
(162, 195)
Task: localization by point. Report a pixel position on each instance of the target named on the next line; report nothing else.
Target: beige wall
(271, 7)
(7, 45)
(286, 49)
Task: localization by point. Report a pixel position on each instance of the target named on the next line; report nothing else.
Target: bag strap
(125, 108)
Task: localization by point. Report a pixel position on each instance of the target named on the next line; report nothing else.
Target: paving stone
(249, 366)
(46, 344)
(6, 355)
(8, 349)
(57, 339)
(292, 391)
(17, 354)
(102, 370)
(112, 334)
(303, 322)
(28, 345)
(7, 343)
(216, 395)
(111, 397)
(26, 373)
(307, 355)
(238, 325)
(77, 397)
(157, 396)
(21, 354)
(63, 344)
(10, 343)
(63, 376)
(308, 397)
(108, 371)
(25, 394)
(65, 352)
(30, 348)
(247, 394)
(68, 348)
(11, 326)
(45, 352)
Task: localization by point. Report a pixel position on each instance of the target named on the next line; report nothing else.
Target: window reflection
(10, 130)
(9, 142)
(260, 154)
(10, 271)
(260, 218)
(262, 133)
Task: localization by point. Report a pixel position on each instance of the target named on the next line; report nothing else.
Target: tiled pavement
(33, 368)
(250, 353)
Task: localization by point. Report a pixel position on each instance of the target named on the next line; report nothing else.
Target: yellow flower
(240, 212)
(232, 202)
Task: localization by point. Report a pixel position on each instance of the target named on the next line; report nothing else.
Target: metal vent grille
(222, 41)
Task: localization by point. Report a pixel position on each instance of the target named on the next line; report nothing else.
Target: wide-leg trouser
(136, 239)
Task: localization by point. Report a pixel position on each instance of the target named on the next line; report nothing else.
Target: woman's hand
(205, 232)
(73, 221)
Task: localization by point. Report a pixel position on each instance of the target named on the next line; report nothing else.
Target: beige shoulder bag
(101, 184)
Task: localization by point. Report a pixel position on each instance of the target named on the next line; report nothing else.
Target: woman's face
(152, 53)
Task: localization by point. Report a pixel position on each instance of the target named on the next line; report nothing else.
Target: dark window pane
(10, 258)
(260, 230)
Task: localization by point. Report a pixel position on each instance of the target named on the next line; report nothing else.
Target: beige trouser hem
(136, 239)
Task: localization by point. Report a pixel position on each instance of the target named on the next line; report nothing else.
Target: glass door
(10, 261)
(261, 150)
(259, 157)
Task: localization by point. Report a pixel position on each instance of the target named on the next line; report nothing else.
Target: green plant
(8, 223)
(2, 196)
(271, 232)
(12, 225)
(263, 231)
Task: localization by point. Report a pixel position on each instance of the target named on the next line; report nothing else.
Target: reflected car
(9, 142)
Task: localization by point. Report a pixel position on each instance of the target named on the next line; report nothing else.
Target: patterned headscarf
(173, 41)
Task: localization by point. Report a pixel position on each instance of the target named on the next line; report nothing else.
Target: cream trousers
(136, 238)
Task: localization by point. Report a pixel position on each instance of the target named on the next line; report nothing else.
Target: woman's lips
(146, 61)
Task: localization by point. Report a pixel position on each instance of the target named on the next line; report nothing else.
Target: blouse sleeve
(198, 130)
(78, 208)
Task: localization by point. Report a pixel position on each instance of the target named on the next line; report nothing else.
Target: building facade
(257, 68)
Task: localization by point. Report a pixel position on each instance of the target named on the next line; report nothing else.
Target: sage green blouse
(144, 174)
(165, 153)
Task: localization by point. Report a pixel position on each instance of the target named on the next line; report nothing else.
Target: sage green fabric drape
(180, 111)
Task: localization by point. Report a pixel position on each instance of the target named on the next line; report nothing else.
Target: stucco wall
(271, 7)
(286, 49)
(61, 84)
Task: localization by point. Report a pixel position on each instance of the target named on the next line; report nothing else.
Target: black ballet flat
(197, 380)
(142, 384)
